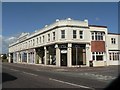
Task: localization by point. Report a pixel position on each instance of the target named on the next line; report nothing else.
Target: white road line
(10, 69)
(30, 73)
(72, 84)
(14, 70)
(38, 70)
(5, 67)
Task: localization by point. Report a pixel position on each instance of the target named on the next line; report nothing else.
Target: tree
(4, 56)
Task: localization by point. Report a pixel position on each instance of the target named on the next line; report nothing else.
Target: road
(35, 76)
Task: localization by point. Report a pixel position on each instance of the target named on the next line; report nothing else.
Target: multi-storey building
(67, 43)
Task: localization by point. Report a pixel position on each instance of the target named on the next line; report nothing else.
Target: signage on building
(63, 51)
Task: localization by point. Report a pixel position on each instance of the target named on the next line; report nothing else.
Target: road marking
(30, 73)
(14, 70)
(60, 70)
(10, 69)
(38, 70)
(72, 84)
(5, 67)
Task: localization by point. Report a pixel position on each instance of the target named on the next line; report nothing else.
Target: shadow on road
(7, 77)
(114, 85)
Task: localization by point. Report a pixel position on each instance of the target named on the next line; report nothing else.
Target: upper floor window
(92, 34)
(26, 44)
(74, 33)
(113, 40)
(81, 34)
(48, 37)
(43, 39)
(53, 35)
(29, 43)
(40, 39)
(33, 42)
(97, 35)
(62, 33)
(37, 40)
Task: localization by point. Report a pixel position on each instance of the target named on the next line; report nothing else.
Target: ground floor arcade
(66, 54)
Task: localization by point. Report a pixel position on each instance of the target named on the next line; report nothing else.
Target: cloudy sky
(28, 17)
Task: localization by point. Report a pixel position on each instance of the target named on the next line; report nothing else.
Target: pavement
(40, 76)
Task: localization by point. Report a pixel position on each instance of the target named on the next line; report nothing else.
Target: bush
(4, 56)
(4, 60)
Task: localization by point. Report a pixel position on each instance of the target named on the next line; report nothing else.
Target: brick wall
(97, 46)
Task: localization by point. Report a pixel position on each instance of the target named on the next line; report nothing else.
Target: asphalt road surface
(34, 76)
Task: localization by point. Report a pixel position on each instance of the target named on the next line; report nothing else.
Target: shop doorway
(11, 57)
(63, 59)
(78, 54)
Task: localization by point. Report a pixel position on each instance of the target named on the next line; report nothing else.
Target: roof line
(114, 33)
(98, 26)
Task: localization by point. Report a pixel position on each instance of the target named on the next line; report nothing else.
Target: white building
(67, 43)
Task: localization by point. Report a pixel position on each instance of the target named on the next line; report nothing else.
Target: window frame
(74, 34)
(97, 35)
(113, 40)
(97, 54)
(43, 38)
(62, 34)
(53, 36)
(33, 42)
(48, 37)
(81, 34)
(40, 39)
(37, 40)
(115, 56)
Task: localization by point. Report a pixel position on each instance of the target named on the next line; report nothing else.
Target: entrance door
(11, 57)
(63, 59)
(79, 55)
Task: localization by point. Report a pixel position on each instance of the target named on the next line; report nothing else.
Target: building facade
(67, 43)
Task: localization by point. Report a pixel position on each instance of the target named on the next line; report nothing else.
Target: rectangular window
(29, 43)
(53, 35)
(43, 39)
(97, 35)
(93, 56)
(62, 33)
(92, 35)
(48, 37)
(118, 55)
(74, 33)
(102, 36)
(114, 56)
(81, 34)
(40, 39)
(37, 40)
(110, 56)
(113, 40)
(26, 44)
(98, 56)
(33, 42)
